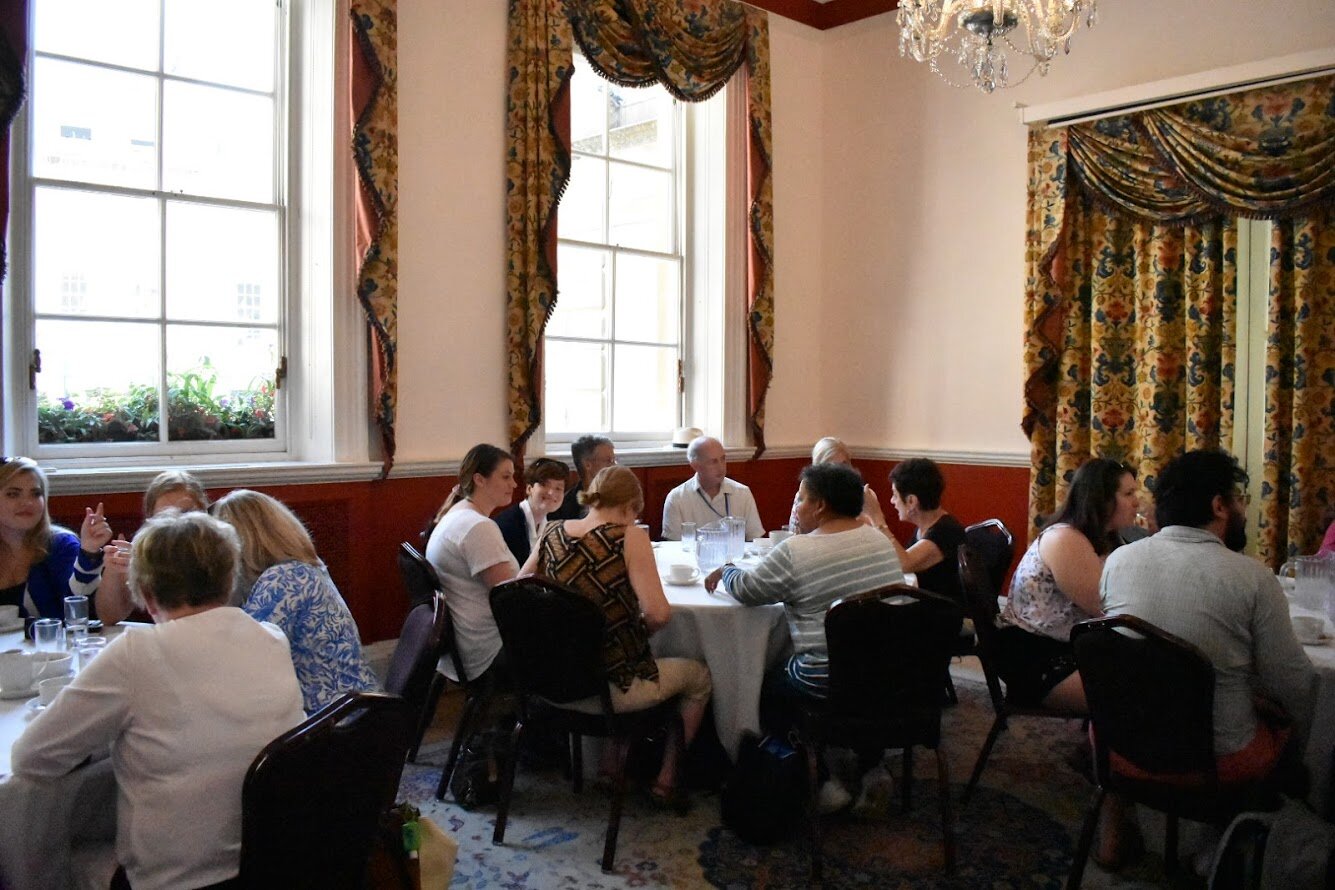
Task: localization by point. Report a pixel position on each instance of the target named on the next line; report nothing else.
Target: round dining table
(46, 822)
(738, 643)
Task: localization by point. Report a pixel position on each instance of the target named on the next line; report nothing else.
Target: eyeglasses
(1243, 497)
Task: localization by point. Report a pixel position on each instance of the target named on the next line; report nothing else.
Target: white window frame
(713, 312)
(327, 408)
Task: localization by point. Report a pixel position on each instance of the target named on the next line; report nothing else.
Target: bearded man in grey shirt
(1191, 580)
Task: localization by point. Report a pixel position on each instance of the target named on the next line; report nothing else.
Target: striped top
(594, 566)
(807, 573)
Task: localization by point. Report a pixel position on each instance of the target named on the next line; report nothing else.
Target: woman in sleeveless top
(607, 559)
(1056, 585)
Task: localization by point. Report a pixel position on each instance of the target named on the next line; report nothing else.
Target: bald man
(709, 495)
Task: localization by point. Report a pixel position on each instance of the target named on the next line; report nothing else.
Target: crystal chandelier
(975, 34)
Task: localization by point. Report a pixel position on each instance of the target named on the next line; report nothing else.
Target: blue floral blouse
(326, 649)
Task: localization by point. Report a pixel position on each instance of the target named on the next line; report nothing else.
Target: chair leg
(577, 761)
(618, 794)
(906, 792)
(1086, 842)
(507, 783)
(951, 696)
(947, 823)
(993, 734)
(813, 812)
(1170, 844)
(428, 713)
(472, 707)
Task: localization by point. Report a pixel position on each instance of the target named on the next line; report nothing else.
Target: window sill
(96, 480)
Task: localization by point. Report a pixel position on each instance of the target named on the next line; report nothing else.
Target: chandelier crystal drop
(976, 34)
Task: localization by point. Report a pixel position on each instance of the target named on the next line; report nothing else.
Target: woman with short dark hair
(916, 486)
(523, 523)
(186, 705)
(836, 556)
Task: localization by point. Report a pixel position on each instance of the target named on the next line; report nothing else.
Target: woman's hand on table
(713, 578)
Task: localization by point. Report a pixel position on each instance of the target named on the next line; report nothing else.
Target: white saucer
(19, 693)
(16, 624)
(1319, 641)
(695, 577)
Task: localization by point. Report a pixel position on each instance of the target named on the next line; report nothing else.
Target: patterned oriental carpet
(1019, 830)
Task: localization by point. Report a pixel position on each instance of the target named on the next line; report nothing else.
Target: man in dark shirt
(590, 454)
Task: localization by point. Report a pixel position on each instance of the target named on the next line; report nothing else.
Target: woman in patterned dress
(608, 559)
(1056, 585)
(281, 580)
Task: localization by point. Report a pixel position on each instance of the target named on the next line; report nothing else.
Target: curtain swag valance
(691, 47)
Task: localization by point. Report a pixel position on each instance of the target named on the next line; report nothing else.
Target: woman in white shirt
(470, 556)
(185, 705)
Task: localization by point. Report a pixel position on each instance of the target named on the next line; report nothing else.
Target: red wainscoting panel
(357, 526)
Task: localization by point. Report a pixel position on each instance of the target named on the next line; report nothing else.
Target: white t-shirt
(464, 545)
(186, 706)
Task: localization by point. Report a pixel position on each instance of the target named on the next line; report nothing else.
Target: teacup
(51, 664)
(9, 614)
(681, 572)
(1307, 628)
(17, 670)
(780, 534)
(48, 688)
(763, 544)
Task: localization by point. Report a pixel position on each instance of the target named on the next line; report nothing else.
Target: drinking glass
(47, 634)
(88, 649)
(76, 611)
(688, 536)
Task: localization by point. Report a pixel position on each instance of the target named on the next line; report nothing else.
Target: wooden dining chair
(993, 540)
(412, 671)
(312, 801)
(554, 642)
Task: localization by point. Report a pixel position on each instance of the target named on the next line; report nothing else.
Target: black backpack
(764, 798)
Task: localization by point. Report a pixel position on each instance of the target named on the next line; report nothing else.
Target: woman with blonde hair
(626, 586)
(280, 579)
(169, 490)
(41, 563)
(831, 450)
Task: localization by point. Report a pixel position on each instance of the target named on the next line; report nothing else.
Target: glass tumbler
(688, 536)
(47, 634)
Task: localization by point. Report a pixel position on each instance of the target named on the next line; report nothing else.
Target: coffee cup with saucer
(18, 671)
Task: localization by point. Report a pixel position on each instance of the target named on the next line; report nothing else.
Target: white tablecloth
(739, 643)
(42, 822)
(1321, 739)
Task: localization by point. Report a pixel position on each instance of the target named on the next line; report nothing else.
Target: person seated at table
(522, 523)
(1192, 580)
(185, 705)
(590, 454)
(833, 451)
(1328, 542)
(1056, 585)
(42, 563)
(469, 554)
(169, 490)
(709, 495)
(282, 580)
(835, 556)
(606, 558)
(916, 486)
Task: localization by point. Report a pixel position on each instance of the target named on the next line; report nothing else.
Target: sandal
(672, 800)
(1129, 848)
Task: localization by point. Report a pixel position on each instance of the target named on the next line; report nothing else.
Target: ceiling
(825, 14)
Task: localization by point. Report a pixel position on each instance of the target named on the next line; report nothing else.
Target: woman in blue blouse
(281, 580)
(41, 563)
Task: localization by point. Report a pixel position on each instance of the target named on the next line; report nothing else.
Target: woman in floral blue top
(282, 581)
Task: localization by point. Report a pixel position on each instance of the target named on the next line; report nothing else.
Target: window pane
(94, 125)
(229, 42)
(646, 389)
(123, 33)
(217, 142)
(641, 128)
(580, 215)
(222, 264)
(220, 382)
(581, 304)
(576, 375)
(647, 298)
(640, 210)
(588, 109)
(99, 382)
(97, 254)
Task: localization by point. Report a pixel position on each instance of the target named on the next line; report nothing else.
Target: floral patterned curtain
(692, 47)
(1131, 290)
(13, 54)
(373, 93)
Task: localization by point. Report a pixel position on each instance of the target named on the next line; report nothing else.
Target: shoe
(1130, 847)
(833, 797)
(877, 786)
(672, 800)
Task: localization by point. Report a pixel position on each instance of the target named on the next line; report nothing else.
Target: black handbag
(764, 798)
